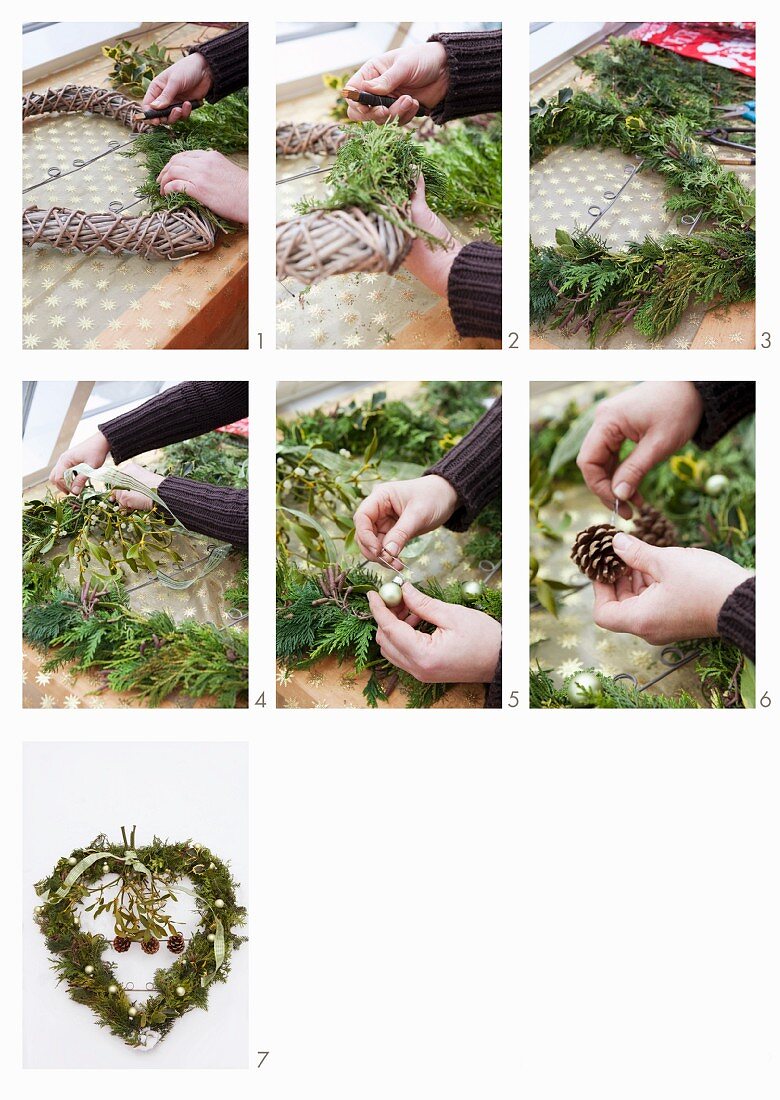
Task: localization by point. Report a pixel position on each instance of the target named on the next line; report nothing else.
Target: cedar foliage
(650, 105)
(378, 167)
(309, 627)
(614, 695)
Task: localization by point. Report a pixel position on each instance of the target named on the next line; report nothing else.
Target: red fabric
(238, 427)
(733, 46)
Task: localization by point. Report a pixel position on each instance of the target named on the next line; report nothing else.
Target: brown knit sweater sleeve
(228, 58)
(189, 409)
(473, 468)
(725, 404)
(474, 290)
(213, 510)
(737, 618)
(474, 65)
(493, 694)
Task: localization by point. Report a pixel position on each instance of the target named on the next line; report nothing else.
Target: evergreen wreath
(580, 283)
(141, 881)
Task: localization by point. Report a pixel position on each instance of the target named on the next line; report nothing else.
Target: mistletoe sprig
(325, 613)
(101, 537)
(78, 954)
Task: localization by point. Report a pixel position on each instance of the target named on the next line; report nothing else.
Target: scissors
(746, 110)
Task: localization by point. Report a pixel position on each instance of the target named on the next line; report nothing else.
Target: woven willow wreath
(134, 885)
(158, 235)
(581, 284)
(314, 246)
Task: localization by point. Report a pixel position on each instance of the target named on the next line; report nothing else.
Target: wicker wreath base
(335, 242)
(160, 235)
(293, 139)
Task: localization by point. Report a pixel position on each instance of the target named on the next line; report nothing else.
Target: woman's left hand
(430, 262)
(132, 500)
(212, 179)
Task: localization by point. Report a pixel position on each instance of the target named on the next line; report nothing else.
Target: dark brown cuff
(737, 618)
(473, 468)
(228, 58)
(211, 510)
(493, 693)
(474, 290)
(474, 65)
(725, 404)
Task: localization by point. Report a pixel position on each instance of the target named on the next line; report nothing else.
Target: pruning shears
(746, 110)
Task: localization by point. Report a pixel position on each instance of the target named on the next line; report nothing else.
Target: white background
(463, 905)
(72, 792)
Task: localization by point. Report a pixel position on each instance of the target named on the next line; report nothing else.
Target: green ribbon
(219, 932)
(130, 857)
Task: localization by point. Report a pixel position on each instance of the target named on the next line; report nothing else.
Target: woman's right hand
(397, 511)
(187, 79)
(413, 74)
(660, 417)
(93, 451)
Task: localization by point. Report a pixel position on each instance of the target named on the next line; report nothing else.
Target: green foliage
(648, 77)
(237, 593)
(328, 458)
(139, 915)
(614, 695)
(580, 284)
(150, 656)
(327, 614)
(223, 126)
(335, 82)
(377, 170)
(101, 538)
(469, 158)
(134, 70)
(216, 457)
(650, 104)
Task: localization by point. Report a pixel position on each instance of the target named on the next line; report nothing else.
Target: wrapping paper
(731, 45)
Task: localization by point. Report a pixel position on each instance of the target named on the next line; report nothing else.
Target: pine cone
(176, 944)
(593, 555)
(150, 946)
(121, 944)
(652, 527)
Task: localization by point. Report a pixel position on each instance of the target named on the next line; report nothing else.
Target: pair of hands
(671, 594)
(415, 75)
(465, 645)
(204, 174)
(94, 451)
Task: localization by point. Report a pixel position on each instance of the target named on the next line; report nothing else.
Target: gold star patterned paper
(73, 301)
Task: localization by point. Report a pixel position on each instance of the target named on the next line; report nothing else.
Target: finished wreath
(135, 885)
